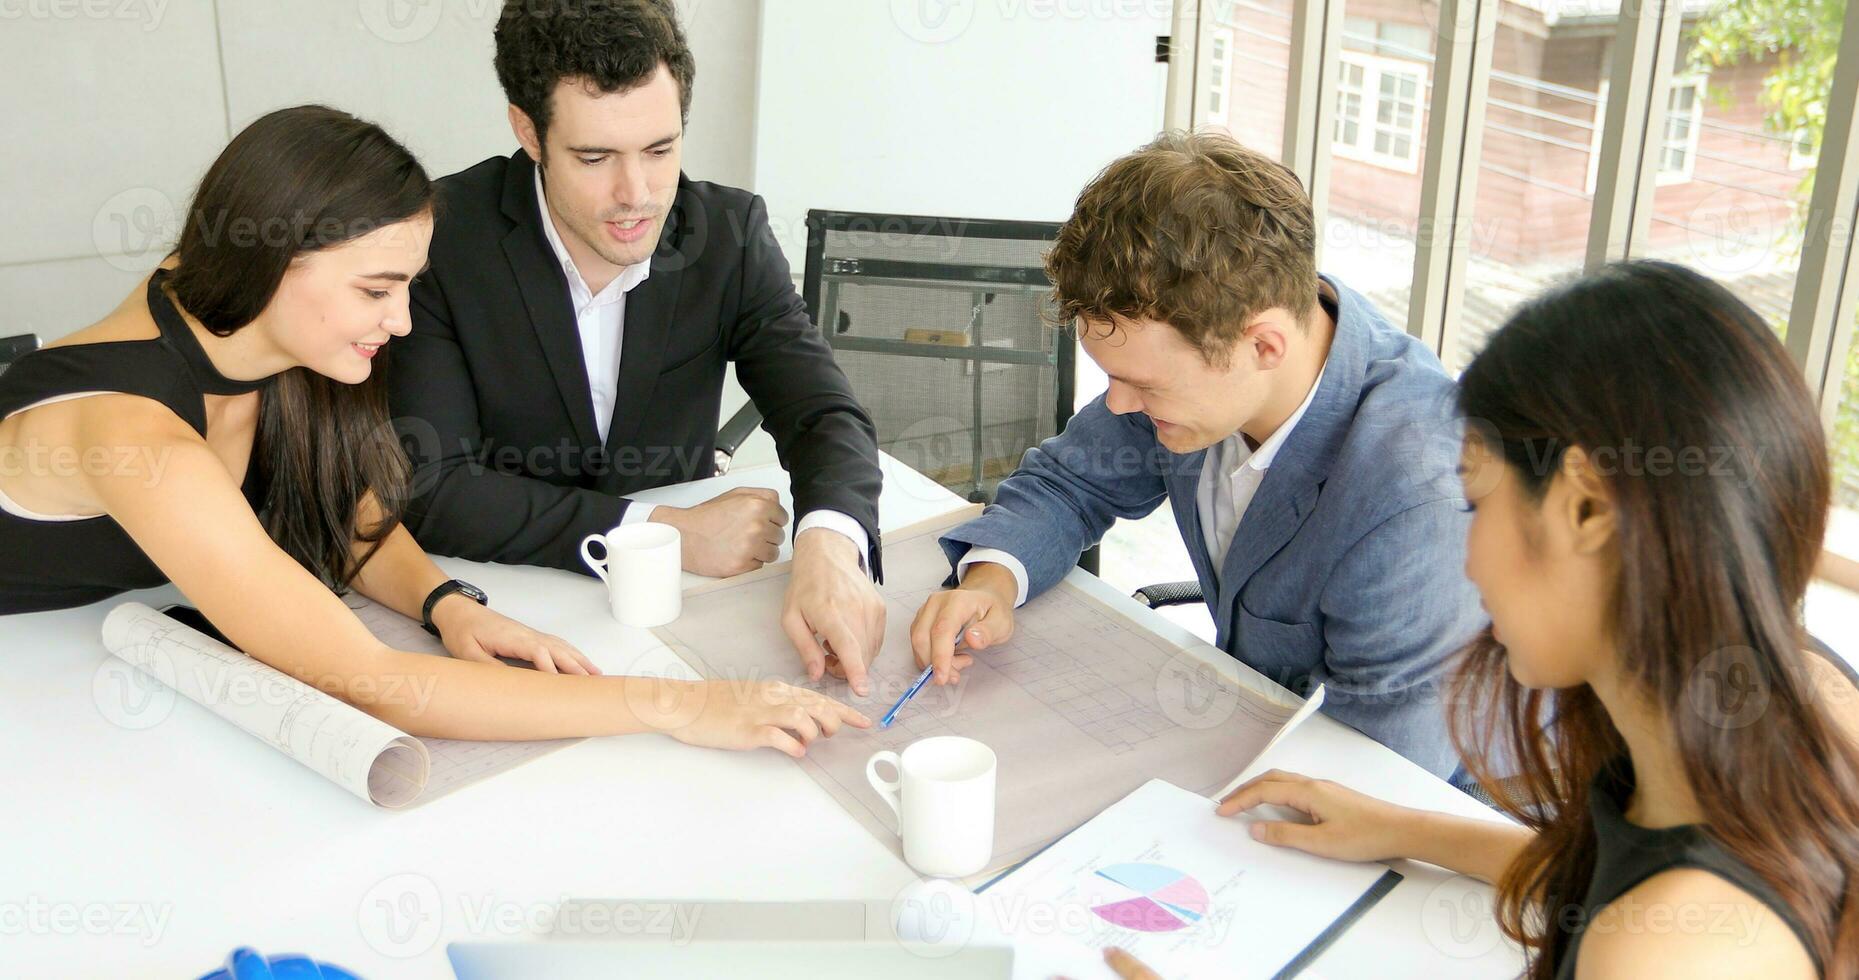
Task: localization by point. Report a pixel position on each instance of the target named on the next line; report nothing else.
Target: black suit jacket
(490, 390)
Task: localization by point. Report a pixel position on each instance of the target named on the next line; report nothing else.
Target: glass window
(1833, 607)
(1804, 151)
(1384, 73)
(1683, 116)
(1349, 93)
(1391, 89)
(1250, 55)
(1846, 444)
(1730, 200)
(1535, 198)
(1219, 61)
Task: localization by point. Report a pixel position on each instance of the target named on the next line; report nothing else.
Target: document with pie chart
(1187, 891)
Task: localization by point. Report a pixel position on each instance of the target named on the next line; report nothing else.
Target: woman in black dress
(1651, 485)
(226, 429)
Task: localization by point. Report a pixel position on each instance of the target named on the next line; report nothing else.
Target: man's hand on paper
(978, 614)
(734, 532)
(745, 714)
(474, 632)
(1345, 825)
(833, 613)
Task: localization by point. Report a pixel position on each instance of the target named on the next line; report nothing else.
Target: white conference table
(151, 842)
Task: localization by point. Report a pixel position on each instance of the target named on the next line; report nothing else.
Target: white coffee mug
(644, 571)
(944, 800)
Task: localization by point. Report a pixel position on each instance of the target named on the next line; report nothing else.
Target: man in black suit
(570, 338)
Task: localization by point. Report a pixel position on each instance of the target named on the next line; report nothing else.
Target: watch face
(473, 592)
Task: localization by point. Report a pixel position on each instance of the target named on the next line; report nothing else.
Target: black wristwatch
(465, 589)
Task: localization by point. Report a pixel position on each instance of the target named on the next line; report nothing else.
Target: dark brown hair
(1193, 230)
(1713, 564)
(613, 45)
(295, 181)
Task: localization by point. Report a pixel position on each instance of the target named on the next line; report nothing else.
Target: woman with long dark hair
(226, 429)
(1650, 484)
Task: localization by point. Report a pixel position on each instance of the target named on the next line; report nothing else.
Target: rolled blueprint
(358, 752)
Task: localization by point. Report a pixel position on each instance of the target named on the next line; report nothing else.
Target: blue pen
(891, 715)
(922, 679)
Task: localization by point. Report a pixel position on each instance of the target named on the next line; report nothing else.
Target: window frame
(1698, 82)
(1664, 177)
(1374, 67)
(1219, 74)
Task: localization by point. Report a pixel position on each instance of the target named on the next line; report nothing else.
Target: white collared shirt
(601, 321)
(1230, 476)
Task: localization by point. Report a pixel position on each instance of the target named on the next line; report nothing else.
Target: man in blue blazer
(1307, 448)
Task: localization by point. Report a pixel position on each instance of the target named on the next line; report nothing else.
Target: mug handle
(598, 565)
(887, 788)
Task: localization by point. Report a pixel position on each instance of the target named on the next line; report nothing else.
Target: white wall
(112, 118)
(961, 108)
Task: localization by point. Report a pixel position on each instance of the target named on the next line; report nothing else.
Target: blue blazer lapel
(1284, 500)
(1289, 491)
(1183, 482)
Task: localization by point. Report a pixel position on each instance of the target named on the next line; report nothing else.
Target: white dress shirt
(1230, 476)
(601, 321)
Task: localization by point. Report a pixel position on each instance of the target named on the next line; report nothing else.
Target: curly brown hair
(614, 45)
(1193, 230)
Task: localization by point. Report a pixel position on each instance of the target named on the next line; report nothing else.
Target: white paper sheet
(1185, 890)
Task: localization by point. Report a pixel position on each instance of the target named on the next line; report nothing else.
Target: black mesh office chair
(937, 324)
(13, 348)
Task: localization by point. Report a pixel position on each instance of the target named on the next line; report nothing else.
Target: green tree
(1801, 39)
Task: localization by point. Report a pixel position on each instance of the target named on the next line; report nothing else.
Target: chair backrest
(937, 322)
(13, 348)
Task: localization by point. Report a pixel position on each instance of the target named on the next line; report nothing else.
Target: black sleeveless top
(54, 564)
(1628, 854)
